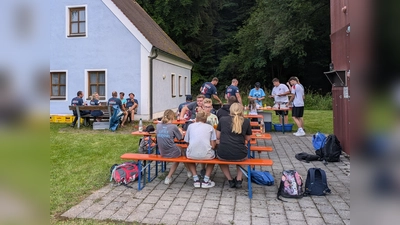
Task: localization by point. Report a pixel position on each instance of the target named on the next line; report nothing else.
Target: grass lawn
(80, 160)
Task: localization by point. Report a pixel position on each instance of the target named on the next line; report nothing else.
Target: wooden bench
(105, 108)
(183, 159)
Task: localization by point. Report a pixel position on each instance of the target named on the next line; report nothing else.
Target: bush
(315, 101)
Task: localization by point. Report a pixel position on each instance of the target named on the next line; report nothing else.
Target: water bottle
(262, 127)
(140, 125)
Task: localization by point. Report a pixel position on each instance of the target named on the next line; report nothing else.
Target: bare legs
(298, 121)
(225, 170)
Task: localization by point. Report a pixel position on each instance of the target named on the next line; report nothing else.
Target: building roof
(149, 28)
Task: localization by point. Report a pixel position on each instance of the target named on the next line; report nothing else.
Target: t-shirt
(199, 135)
(123, 101)
(232, 146)
(208, 89)
(77, 101)
(115, 101)
(257, 94)
(166, 132)
(193, 109)
(95, 112)
(298, 92)
(130, 103)
(181, 106)
(231, 91)
(223, 111)
(212, 119)
(280, 90)
(253, 110)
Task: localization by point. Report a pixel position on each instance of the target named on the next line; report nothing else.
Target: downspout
(151, 83)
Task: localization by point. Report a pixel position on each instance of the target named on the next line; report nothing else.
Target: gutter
(151, 82)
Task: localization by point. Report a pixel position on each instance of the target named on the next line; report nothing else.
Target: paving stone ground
(181, 203)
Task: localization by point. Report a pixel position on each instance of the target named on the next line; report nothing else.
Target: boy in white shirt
(280, 94)
(297, 91)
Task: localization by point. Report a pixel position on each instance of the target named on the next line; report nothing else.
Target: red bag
(124, 173)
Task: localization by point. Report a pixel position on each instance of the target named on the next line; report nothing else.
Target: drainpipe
(151, 83)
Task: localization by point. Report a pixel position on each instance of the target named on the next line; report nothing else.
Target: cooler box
(268, 126)
(288, 127)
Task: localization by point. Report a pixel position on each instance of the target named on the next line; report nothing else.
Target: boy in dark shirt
(78, 101)
(131, 105)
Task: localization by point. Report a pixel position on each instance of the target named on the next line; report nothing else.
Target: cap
(257, 84)
(188, 98)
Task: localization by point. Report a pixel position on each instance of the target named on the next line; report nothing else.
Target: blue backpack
(318, 140)
(260, 177)
(316, 183)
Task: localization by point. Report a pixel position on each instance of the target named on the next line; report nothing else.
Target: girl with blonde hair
(95, 101)
(166, 133)
(232, 133)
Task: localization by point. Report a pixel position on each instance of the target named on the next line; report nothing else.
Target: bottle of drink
(140, 125)
(262, 126)
(215, 124)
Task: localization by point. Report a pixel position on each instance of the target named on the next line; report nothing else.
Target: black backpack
(305, 157)
(316, 183)
(331, 151)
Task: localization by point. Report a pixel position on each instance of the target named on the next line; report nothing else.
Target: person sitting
(124, 111)
(201, 138)
(193, 107)
(95, 101)
(188, 113)
(224, 110)
(131, 105)
(232, 134)
(207, 107)
(253, 107)
(79, 101)
(166, 132)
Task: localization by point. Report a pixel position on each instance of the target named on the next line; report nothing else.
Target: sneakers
(238, 183)
(197, 183)
(189, 174)
(300, 132)
(168, 180)
(232, 183)
(208, 184)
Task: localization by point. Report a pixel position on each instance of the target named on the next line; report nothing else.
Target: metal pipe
(151, 83)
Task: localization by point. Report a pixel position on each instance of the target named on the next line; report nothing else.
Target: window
(186, 86)
(97, 83)
(77, 22)
(173, 86)
(58, 85)
(180, 86)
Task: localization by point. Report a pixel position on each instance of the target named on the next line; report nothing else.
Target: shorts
(298, 111)
(279, 112)
(232, 160)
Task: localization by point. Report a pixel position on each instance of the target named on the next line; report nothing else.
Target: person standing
(232, 133)
(209, 90)
(233, 90)
(257, 94)
(297, 91)
(78, 101)
(280, 94)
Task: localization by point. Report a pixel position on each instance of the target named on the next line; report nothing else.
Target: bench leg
(249, 182)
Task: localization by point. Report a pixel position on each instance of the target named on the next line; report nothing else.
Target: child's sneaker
(197, 183)
(168, 180)
(189, 174)
(208, 184)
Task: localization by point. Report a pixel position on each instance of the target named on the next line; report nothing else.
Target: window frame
(186, 85)
(58, 98)
(87, 82)
(69, 22)
(180, 91)
(173, 85)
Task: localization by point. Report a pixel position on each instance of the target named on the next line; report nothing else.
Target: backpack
(303, 156)
(124, 173)
(316, 183)
(318, 140)
(291, 185)
(332, 149)
(260, 177)
(144, 145)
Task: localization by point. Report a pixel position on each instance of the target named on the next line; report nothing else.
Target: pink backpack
(291, 185)
(124, 173)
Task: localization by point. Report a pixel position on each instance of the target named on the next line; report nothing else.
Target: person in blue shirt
(208, 89)
(233, 90)
(188, 113)
(95, 101)
(257, 94)
(131, 106)
(115, 101)
(78, 101)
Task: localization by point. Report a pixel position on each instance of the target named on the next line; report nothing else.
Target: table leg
(283, 122)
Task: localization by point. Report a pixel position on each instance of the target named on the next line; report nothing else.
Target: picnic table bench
(158, 158)
(107, 110)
